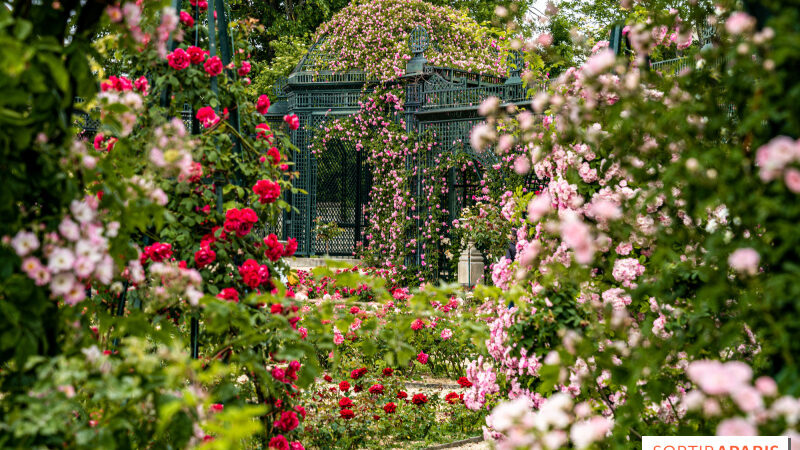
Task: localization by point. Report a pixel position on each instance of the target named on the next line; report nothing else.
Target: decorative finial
(516, 62)
(419, 40)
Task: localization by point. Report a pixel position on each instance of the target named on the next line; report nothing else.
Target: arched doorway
(464, 186)
(342, 185)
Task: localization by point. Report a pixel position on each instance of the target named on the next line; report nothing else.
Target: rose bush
(651, 284)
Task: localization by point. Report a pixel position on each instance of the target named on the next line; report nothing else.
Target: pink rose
(744, 260)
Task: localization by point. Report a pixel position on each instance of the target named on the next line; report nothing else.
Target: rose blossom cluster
(726, 385)
(157, 252)
(133, 103)
(626, 270)
(181, 59)
(240, 221)
(175, 281)
(254, 274)
(568, 221)
(149, 188)
(267, 191)
(514, 424)
(73, 257)
(171, 152)
(122, 84)
(775, 159)
(275, 250)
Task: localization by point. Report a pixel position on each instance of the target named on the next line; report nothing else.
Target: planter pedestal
(470, 266)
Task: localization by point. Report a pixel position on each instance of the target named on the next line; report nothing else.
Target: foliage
(288, 51)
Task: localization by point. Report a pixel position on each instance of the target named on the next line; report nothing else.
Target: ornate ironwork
(279, 89)
(516, 63)
(419, 40)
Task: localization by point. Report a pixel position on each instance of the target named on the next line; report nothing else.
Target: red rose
(244, 229)
(344, 386)
(263, 131)
(296, 445)
(328, 378)
(213, 66)
(389, 408)
(274, 154)
(300, 410)
(248, 215)
(291, 371)
(345, 402)
(141, 85)
(464, 382)
(244, 69)
(262, 106)
(287, 422)
(178, 59)
(452, 398)
(401, 395)
(217, 407)
(346, 414)
(196, 54)
(279, 374)
(354, 310)
(388, 371)
(202, 5)
(279, 443)
(358, 373)
(120, 84)
(186, 19)
(204, 257)
(290, 248)
(268, 191)
(419, 399)
(157, 252)
(292, 120)
(207, 116)
(253, 274)
(229, 294)
(376, 389)
(273, 249)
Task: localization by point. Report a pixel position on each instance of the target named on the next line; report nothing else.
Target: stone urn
(470, 265)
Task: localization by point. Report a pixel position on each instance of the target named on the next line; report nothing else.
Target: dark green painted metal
(616, 41)
(212, 41)
(172, 45)
(194, 335)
